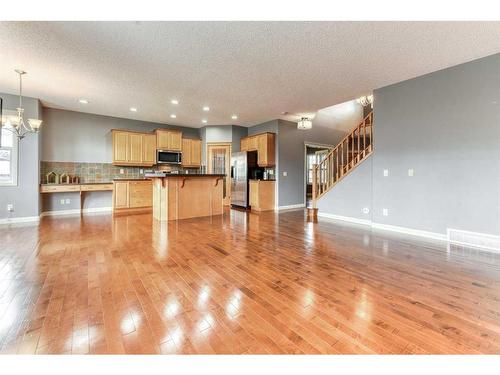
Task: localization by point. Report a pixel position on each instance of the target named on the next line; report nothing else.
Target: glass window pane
(7, 138)
(4, 168)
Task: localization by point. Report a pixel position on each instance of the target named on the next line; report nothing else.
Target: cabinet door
(186, 152)
(262, 150)
(120, 194)
(120, 147)
(244, 144)
(149, 149)
(196, 152)
(162, 139)
(135, 148)
(175, 141)
(253, 143)
(253, 195)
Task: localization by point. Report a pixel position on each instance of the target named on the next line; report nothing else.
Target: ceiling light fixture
(16, 124)
(206, 108)
(174, 101)
(173, 116)
(133, 109)
(234, 117)
(204, 121)
(83, 101)
(365, 100)
(304, 124)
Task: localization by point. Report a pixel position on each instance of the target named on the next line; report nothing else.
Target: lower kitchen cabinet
(261, 195)
(132, 194)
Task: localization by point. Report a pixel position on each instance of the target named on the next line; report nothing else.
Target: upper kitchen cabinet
(191, 152)
(264, 144)
(133, 148)
(170, 140)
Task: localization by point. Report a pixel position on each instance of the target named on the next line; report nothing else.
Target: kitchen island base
(182, 197)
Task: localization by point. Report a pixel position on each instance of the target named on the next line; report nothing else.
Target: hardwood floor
(242, 283)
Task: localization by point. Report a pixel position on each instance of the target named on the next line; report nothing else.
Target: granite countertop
(186, 175)
(131, 179)
(80, 183)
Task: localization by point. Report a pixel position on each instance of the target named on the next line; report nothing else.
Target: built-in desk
(79, 188)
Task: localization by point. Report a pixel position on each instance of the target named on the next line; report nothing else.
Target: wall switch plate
(68, 201)
(122, 171)
(141, 171)
(385, 211)
(366, 210)
(410, 172)
(10, 207)
(285, 173)
(61, 201)
(386, 172)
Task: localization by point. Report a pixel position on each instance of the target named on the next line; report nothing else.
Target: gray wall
(238, 133)
(83, 137)
(24, 196)
(270, 126)
(445, 126)
(221, 133)
(291, 156)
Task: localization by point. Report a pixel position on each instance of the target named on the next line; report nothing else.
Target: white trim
(386, 227)
(76, 211)
(410, 231)
(485, 241)
(345, 218)
(290, 207)
(25, 219)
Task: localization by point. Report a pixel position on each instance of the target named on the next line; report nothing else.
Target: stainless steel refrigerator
(239, 181)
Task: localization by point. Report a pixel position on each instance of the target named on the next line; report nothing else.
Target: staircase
(352, 150)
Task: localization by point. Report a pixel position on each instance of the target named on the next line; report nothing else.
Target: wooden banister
(356, 146)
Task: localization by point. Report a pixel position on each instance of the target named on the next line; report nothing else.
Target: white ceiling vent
(474, 239)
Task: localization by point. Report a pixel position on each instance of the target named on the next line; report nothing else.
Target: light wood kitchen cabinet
(264, 144)
(133, 148)
(191, 152)
(170, 140)
(132, 194)
(120, 147)
(261, 195)
(120, 195)
(244, 144)
(149, 148)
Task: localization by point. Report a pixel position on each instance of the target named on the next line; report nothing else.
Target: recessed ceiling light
(234, 117)
(206, 108)
(173, 116)
(84, 101)
(204, 121)
(174, 101)
(133, 109)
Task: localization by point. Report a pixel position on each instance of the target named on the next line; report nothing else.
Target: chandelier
(15, 123)
(304, 124)
(365, 100)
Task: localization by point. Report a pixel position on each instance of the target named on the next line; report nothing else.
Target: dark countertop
(262, 180)
(80, 183)
(131, 179)
(186, 175)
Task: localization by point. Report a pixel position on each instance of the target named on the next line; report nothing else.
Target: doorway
(219, 161)
(314, 154)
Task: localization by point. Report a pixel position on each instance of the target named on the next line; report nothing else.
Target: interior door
(219, 161)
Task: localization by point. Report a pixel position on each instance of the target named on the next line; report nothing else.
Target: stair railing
(348, 153)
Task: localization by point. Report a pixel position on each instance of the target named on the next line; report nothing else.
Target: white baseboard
(76, 211)
(473, 239)
(26, 219)
(290, 207)
(345, 218)
(410, 231)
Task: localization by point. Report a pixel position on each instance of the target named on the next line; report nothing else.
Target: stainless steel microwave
(168, 157)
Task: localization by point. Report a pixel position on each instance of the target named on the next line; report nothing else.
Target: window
(311, 160)
(8, 158)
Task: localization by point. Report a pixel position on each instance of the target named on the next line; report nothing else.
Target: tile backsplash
(92, 172)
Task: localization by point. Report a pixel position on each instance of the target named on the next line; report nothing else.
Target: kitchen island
(184, 196)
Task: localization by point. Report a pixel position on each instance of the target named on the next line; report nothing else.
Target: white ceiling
(257, 70)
